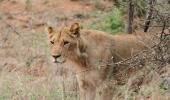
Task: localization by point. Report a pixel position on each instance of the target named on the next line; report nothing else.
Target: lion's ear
(75, 29)
(50, 31)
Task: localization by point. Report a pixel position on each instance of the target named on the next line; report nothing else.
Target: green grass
(110, 22)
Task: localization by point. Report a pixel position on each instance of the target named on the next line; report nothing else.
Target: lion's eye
(66, 42)
(52, 42)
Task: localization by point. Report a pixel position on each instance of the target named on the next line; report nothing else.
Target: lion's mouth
(59, 60)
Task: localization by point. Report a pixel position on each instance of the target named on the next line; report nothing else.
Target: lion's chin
(60, 60)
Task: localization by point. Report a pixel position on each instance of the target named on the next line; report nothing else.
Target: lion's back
(122, 45)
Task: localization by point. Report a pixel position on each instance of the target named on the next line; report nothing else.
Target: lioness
(91, 51)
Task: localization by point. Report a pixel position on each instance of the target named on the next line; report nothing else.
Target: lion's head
(65, 43)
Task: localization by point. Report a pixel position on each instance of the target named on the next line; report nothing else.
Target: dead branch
(149, 15)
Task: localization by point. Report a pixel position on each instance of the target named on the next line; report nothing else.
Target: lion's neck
(80, 60)
(78, 66)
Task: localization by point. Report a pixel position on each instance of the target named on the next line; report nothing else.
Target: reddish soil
(20, 14)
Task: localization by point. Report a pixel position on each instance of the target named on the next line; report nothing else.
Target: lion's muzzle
(58, 59)
(57, 56)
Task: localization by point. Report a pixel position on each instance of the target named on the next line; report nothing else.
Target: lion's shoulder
(96, 35)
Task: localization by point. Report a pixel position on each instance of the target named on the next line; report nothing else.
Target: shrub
(110, 22)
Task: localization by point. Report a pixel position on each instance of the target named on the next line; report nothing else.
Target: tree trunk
(149, 14)
(130, 17)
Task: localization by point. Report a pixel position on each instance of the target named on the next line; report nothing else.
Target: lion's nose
(56, 56)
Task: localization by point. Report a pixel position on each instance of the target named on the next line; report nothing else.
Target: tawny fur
(90, 52)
